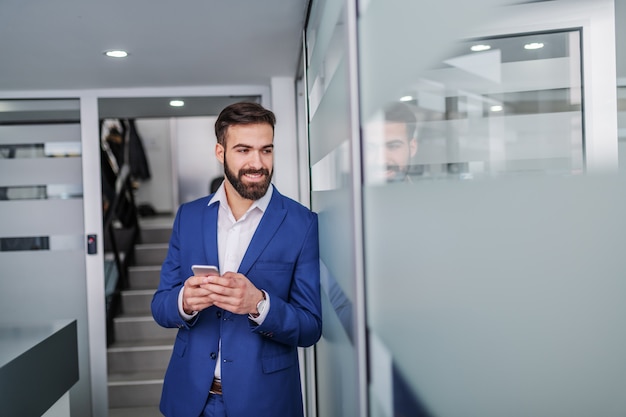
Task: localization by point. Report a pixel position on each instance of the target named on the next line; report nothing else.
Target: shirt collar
(261, 203)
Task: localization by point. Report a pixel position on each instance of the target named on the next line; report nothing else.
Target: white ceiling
(59, 44)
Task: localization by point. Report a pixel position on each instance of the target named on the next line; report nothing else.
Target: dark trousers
(214, 407)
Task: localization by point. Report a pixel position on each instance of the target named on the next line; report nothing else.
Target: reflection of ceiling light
(406, 98)
(495, 108)
(533, 45)
(482, 47)
(177, 103)
(116, 54)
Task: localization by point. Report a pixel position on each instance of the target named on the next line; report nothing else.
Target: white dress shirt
(233, 239)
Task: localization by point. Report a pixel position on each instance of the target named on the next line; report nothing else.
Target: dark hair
(242, 113)
(401, 113)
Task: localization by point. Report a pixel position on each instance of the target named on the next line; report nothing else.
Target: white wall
(158, 190)
(283, 105)
(182, 161)
(195, 163)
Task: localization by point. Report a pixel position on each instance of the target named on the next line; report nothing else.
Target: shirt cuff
(181, 311)
(259, 320)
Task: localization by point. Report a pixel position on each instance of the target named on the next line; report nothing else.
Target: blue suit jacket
(260, 372)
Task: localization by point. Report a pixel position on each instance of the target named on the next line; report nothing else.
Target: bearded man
(235, 353)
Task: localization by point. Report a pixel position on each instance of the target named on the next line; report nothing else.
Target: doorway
(177, 145)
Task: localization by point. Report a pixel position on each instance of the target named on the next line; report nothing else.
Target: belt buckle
(216, 387)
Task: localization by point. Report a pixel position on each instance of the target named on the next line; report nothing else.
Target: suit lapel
(209, 232)
(272, 219)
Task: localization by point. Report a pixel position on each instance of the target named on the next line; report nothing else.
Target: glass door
(42, 237)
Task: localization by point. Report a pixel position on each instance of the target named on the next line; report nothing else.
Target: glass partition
(42, 238)
(332, 197)
(493, 272)
(30, 153)
(495, 107)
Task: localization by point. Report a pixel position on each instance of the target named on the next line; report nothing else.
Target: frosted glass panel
(502, 298)
(493, 268)
(40, 171)
(27, 134)
(40, 161)
(335, 366)
(330, 125)
(332, 197)
(325, 48)
(28, 219)
(54, 282)
(42, 237)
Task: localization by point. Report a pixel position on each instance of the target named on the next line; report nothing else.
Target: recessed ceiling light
(406, 98)
(177, 103)
(496, 108)
(533, 45)
(116, 54)
(481, 47)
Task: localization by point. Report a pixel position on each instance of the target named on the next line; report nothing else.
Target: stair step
(124, 239)
(139, 389)
(137, 328)
(127, 358)
(169, 340)
(144, 276)
(155, 234)
(137, 301)
(150, 253)
(138, 358)
(161, 220)
(157, 229)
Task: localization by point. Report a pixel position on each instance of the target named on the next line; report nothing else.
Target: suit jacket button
(213, 355)
(219, 314)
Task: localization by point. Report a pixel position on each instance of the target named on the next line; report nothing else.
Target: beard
(252, 191)
(395, 173)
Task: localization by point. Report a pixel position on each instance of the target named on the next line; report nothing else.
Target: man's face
(248, 158)
(399, 150)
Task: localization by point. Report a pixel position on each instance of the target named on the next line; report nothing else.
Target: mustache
(261, 171)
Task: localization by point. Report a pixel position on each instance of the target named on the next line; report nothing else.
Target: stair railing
(121, 230)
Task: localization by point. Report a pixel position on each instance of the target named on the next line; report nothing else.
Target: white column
(92, 201)
(283, 104)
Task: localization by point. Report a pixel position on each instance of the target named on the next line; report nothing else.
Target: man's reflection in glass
(400, 141)
(390, 143)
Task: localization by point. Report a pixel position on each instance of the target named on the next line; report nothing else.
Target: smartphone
(204, 270)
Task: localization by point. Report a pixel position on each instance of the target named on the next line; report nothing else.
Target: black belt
(216, 387)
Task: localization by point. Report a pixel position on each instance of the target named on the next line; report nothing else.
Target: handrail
(124, 191)
(122, 210)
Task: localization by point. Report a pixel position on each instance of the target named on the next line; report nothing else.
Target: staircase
(141, 350)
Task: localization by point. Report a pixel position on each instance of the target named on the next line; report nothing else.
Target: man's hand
(195, 297)
(233, 292)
